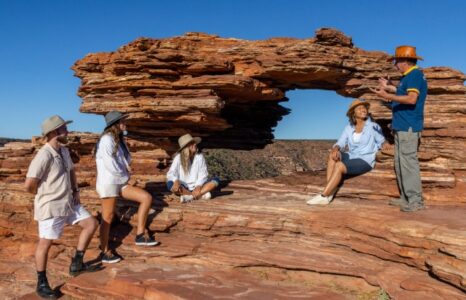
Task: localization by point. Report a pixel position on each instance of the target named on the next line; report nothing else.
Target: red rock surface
(258, 240)
(228, 91)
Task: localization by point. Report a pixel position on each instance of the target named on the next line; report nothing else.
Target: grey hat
(52, 123)
(112, 117)
(187, 139)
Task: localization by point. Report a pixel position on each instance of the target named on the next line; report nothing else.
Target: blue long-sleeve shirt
(370, 142)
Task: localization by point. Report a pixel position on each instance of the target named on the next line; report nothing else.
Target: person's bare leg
(108, 211)
(42, 252)
(330, 167)
(337, 175)
(88, 226)
(145, 201)
(209, 186)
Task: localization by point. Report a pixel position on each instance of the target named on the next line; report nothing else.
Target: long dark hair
(116, 134)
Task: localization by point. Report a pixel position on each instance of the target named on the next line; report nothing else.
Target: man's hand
(386, 85)
(336, 154)
(381, 93)
(176, 188)
(197, 192)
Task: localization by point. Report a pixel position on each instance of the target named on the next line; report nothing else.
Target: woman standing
(364, 138)
(113, 172)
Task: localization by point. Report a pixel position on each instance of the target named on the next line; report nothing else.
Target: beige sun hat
(355, 104)
(52, 123)
(187, 139)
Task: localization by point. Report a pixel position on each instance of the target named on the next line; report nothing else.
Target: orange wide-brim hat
(405, 52)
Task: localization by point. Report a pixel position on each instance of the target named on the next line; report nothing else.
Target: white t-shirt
(357, 137)
(111, 169)
(197, 176)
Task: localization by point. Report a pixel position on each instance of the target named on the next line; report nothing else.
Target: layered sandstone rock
(228, 91)
(258, 239)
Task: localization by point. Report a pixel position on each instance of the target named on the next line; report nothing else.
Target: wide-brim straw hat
(187, 139)
(355, 104)
(52, 123)
(113, 117)
(405, 52)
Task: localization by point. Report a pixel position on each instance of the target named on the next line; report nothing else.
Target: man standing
(407, 124)
(52, 179)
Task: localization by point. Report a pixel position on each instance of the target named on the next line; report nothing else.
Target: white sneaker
(319, 200)
(206, 196)
(186, 198)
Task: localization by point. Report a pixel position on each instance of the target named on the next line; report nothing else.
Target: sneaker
(77, 267)
(146, 241)
(398, 202)
(110, 257)
(206, 196)
(413, 207)
(44, 291)
(186, 198)
(319, 200)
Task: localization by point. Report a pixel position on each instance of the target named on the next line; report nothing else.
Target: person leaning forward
(407, 102)
(51, 177)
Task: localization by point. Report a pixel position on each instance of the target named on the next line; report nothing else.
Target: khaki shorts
(52, 229)
(110, 190)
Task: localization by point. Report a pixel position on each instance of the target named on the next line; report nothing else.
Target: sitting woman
(113, 173)
(363, 138)
(188, 176)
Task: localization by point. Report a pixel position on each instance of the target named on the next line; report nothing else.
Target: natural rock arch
(228, 91)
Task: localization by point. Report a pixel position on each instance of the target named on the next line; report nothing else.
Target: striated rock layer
(257, 240)
(228, 91)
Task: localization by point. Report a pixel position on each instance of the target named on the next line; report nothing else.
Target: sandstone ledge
(259, 239)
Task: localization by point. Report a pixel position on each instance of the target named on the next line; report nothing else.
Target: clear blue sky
(41, 39)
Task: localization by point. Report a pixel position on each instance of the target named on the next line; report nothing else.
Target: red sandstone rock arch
(228, 91)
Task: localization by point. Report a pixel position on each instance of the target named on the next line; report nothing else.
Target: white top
(111, 169)
(357, 137)
(198, 174)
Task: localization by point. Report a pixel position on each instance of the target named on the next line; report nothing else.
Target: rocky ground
(257, 239)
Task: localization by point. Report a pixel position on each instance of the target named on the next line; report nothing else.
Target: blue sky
(41, 39)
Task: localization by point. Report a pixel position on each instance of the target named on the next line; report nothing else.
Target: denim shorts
(215, 180)
(355, 166)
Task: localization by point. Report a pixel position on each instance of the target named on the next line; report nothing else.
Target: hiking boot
(397, 202)
(44, 291)
(146, 241)
(110, 257)
(319, 200)
(206, 196)
(412, 207)
(77, 267)
(186, 198)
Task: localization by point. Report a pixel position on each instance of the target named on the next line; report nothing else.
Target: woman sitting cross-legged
(188, 176)
(364, 138)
